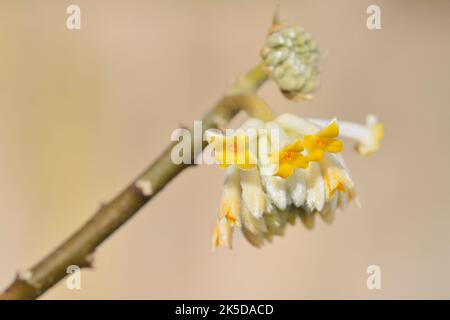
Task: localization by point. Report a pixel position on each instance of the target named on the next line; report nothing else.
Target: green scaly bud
(291, 59)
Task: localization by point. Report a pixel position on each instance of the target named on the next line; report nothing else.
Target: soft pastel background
(83, 112)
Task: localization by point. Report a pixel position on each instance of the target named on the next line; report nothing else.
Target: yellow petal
(335, 146)
(332, 131)
(296, 146)
(300, 162)
(316, 155)
(285, 169)
(309, 142)
(238, 143)
(378, 131)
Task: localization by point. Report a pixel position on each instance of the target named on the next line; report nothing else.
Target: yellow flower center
(320, 142)
(288, 156)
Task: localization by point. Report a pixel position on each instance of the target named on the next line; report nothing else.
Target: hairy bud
(291, 58)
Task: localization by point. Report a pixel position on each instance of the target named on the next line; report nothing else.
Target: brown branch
(79, 248)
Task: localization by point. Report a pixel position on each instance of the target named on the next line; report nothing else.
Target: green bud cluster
(291, 57)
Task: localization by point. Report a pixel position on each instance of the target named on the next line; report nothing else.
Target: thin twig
(79, 248)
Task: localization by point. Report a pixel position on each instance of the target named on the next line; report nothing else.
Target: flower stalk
(79, 248)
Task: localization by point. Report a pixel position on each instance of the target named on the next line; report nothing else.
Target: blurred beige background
(83, 112)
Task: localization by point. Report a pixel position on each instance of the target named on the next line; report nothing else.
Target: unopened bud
(291, 58)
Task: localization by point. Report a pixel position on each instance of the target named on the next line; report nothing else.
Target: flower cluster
(286, 168)
(290, 166)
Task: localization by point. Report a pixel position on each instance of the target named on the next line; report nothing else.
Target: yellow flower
(290, 158)
(367, 136)
(323, 141)
(233, 149)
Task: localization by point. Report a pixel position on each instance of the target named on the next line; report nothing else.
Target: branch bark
(79, 248)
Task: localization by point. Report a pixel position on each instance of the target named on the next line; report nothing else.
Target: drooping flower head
(305, 175)
(289, 167)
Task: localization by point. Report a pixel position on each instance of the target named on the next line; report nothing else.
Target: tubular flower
(367, 136)
(299, 171)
